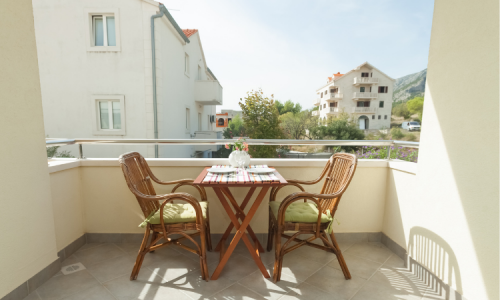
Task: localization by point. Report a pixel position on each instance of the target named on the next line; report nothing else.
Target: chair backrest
(339, 172)
(137, 175)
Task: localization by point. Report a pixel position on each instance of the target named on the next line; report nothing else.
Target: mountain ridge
(410, 86)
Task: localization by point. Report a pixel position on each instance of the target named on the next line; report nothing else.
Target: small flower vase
(236, 155)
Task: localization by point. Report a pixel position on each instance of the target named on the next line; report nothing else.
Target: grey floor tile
(66, 285)
(296, 266)
(89, 245)
(98, 254)
(147, 286)
(266, 287)
(197, 288)
(32, 296)
(112, 268)
(131, 248)
(306, 291)
(236, 268)
(392, 284)
(171, 268)
(371, 251)
(333, 281)
(159, 256)
(97, 292)
(236, 292)
(357, 266)
(395, 262)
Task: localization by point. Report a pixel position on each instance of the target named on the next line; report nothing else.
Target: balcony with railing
(332, 110)
(364, 110)
(365, 80)
(333, 96)
(208, 92)
(316, 101)
(364, 95)
(316, 113)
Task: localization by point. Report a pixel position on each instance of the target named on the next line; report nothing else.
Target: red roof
(189, 32)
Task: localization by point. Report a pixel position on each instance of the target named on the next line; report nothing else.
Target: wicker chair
(338, 171)
(138, 176)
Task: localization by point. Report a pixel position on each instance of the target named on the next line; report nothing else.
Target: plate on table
(221, 170)
(260, 170)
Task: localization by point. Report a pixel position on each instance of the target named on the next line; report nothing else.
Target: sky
(289, 48)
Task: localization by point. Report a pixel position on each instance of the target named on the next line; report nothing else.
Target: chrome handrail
(268, 142)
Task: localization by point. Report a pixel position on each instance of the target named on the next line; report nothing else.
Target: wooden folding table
(221, 184)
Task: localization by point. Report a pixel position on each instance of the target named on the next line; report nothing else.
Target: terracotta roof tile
(189, 32)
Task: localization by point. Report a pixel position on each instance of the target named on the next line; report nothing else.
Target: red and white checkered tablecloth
(240, 176)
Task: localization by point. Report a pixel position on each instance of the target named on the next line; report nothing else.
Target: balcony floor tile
(173, 273)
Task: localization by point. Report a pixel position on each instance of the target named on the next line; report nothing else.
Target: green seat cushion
(300, 212)
(176, 213)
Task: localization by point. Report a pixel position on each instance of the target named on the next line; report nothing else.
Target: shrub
(408, 154)
(397, 134)
(411, 137)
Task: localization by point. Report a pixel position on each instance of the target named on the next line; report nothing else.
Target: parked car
(410, 126)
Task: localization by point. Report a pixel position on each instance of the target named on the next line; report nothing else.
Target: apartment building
(365, 93)
(123, 70)
(224, 117)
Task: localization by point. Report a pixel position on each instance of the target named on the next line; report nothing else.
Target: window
(109, 114)
(186, 64)
(363, 104)
(199, 73)
(103, 29)
(228, 120)
(321, 94)
(373, 117)
(383, 89)
(220, 122)
(333, 104)
(381, 104)
(324, 105)
(362, 89)
(187, 119)
(364, 74)
(332, 91)
(379, 116)
(199, 121)
(326, 92)
(385, 117)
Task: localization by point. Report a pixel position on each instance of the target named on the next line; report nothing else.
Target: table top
(246, 180)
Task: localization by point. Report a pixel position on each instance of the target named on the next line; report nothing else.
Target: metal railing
(261, 142)
(360, 80)
(364, 109)
(364, 95)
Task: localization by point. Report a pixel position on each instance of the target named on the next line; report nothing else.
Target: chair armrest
(182, 182)
(276, 189)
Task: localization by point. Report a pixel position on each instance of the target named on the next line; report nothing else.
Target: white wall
(109, 206)
(176, 88)
(455, 204)
(70, 74)
(28, 238)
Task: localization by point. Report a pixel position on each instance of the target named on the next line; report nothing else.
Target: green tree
(339, 127)
(401, 110)
(261, 118)
(295, 126)
(52, 152)
(416, 106)
(289, 106)
(235, 127)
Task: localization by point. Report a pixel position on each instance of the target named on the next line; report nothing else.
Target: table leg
(241, 215)
(230, 227)
(240, 233)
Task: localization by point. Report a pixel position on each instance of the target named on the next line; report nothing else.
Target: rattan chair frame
(339, 171)
(139, 179)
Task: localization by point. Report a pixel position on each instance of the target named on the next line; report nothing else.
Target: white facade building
(98, 79)
(364, 92)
